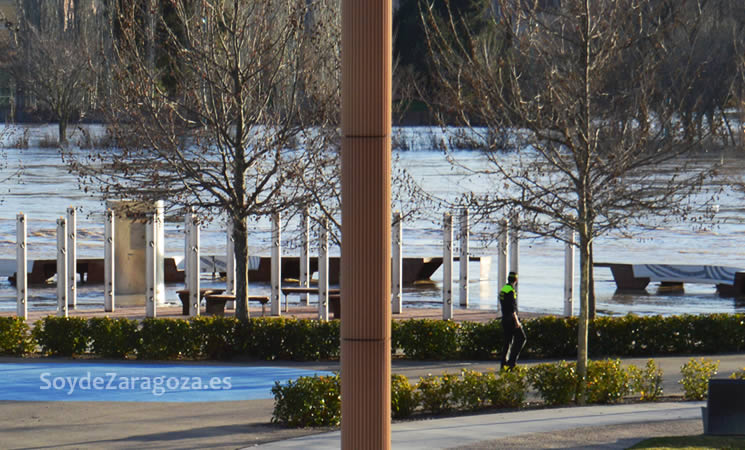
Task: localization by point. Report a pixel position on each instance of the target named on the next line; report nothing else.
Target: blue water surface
(138, 382)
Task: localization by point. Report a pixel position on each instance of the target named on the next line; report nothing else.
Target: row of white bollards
(447, 263)
(304, 281)
(508, 260)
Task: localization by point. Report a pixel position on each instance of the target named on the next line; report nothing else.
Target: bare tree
(228, 117)
(574, 89)
(50, 66)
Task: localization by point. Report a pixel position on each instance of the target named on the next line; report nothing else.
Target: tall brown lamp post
(366, 224)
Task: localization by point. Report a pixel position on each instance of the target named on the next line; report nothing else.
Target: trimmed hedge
(15, 337)
(61, 336)
(315, 401)
(311, 340)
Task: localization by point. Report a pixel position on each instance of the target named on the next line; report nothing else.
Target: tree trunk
(62, 130)
(240, 245)
(591, 285)
(582, 326)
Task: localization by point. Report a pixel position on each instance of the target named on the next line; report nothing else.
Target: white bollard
(108, 262)
(514, 252)
(21, 269)
(323, 273)
(464, 255)
(397, 280)
(62, 267)
(447, 267)
(502, 252)
(305, 257)
(72, 258)
(193, 265)
(276, 276)
(187, 243)
(230, 265)
(569, 274)
(151, 262)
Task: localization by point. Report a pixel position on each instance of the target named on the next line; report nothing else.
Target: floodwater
(46, 189)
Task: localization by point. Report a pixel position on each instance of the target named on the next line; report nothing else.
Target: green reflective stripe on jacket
(507, 289)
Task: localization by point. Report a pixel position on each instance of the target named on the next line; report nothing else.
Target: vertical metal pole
(569, 274)
(276, 276)
(514, 247)
(366, 224)
(305, 257)
(502, 252)
(108, 262)
(72, 258)
(21, 270)
(187, 246)
(61, 267)
(464, 255)
(447, 267)
(230, 264)
(193, 274)
(397, 281)
(160, 251)
(323, 273)
(151, 273)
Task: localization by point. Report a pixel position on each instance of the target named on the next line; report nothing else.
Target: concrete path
(240, 424)
(469, 431)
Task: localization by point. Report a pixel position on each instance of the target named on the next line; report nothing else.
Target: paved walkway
(241, 424)
(478, 430)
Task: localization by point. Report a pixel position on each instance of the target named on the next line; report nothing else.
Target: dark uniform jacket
(508, 303)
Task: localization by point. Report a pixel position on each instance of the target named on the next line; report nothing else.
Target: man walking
(514, 336)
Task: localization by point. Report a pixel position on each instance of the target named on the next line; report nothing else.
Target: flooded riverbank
(46, 189)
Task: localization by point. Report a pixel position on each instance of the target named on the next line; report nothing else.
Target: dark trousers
(514, 341)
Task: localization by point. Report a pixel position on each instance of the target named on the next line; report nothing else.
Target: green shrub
(470, 390)
(167, 339)
(696, 374)
(112, 338)
(607, 381)
(436, 392)
(551, 337)
(308, 402)
(480, 341)
(15, 337)
(215, 336)
(309, 340)
(738, 375)
(646, 382)
(328, 339)
(429, 339)
(61, 336)
(610, 336)
(404, 397)
(261, 338)
(508, 388)
(555, 382)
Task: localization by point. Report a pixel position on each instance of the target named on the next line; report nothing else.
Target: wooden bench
(724, 413)
(183, 295)
(216, 303)
(730, 281)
